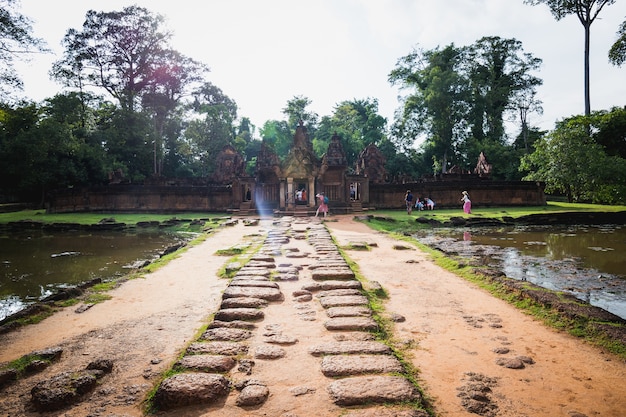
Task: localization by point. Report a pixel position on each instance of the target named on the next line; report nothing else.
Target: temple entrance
(302, 193)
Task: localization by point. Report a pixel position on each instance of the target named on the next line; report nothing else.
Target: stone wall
(137, 198)
(483, 193)
(154, 198)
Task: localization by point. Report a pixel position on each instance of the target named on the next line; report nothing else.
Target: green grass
(398, 221)
(93, 218)
(580, 327)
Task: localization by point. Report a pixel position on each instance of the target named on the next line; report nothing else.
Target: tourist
(299, 195)
(419, 204)
(430, 204)
(408, 200)
(303, 196)
(323, 204)
(467, 203)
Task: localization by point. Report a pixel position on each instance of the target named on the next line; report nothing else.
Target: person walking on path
(408, 200)
(323, 204)
(467, 203)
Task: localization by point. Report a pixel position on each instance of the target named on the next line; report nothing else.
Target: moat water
(586, 261)
(36, 264)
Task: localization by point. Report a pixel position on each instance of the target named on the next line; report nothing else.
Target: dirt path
(451, 332)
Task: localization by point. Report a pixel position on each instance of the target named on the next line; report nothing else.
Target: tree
(587, 11)
(278, 136)
(358, 124)
(126, 53)
(617, 53)
(296, 110)
(206, 137)
(499, 73)
(437, 104)
(573, 163)
(16, 41)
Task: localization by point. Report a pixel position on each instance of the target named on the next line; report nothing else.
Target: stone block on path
(243, 302)
(343, 301)
(363, 390)
(332, 285)
(364, 324)
(350, 347)
(349, 365)
(332, 274)
(217, 348)
(243, 282)
(191, 388)
(207, 363)
(226, 334)
(269, 294)
(350, 311)
(245, 314)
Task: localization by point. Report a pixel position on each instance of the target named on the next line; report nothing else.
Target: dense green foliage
(458, 97)
(583, 158)
(617, 53)
(16, 40)
(587, 12)
(135, 109)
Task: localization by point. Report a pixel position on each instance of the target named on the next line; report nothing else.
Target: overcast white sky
(264, 52)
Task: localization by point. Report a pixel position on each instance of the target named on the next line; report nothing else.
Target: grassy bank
(555, 309)
(400, 221)
(93, 218)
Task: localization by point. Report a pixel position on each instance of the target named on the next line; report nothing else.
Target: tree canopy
(617, 53)
(586, 11)
(16, 42)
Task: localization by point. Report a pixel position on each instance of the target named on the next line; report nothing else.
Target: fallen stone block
(245, 314)
(226, 334)
(350, 347)
(207, 363)
(364, 390)
(350, 311)
(243, 282)
(243, 302)
(349, 365)
(344, 301)
(332, 285)
(332, 274)
(217, 348)
(191, 388)
(364, 324)
(269, 294)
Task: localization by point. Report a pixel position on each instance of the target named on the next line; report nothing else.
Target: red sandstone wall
(133, 198)
(447, 194)
(137, 198)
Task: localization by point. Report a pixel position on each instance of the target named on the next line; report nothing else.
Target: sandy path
(451, 329)
(456, 326)
(142, 328)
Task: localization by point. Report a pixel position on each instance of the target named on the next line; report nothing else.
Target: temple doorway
(302, 193)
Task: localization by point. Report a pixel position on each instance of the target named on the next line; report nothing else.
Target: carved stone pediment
(371, 163)
(301, 161)
(230, 165)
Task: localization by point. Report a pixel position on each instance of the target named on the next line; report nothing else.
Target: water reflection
(35, 264)
(583, 260)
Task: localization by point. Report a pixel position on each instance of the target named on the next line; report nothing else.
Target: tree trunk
(587, 89)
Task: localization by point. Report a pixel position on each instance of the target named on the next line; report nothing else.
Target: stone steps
(247, 331)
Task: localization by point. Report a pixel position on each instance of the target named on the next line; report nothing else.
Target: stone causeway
(297, 275)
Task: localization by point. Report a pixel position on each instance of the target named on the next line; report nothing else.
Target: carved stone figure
(371, 163)
(230, 165)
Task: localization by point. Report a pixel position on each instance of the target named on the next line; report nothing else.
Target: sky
(262, 53)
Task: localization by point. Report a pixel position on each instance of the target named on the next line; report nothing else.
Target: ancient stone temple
(289, 187)
(230, 165)
(371, 164)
